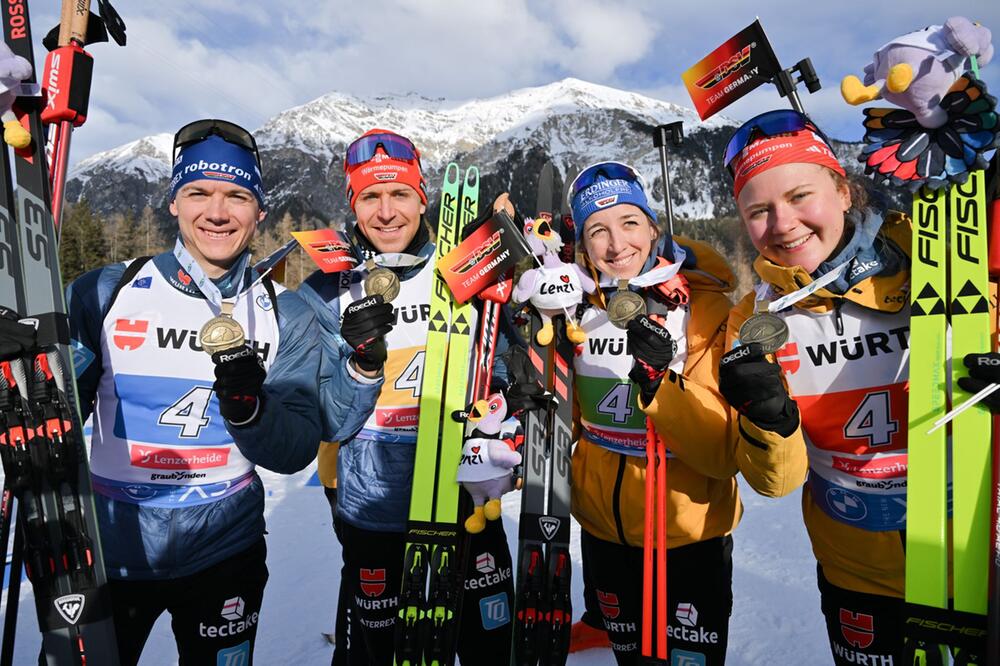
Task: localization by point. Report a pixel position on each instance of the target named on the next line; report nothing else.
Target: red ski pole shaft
(66, 100)
(661, 546)
(647, 542)
(993, 605)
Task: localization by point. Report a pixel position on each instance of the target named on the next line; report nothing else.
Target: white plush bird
(13, 70)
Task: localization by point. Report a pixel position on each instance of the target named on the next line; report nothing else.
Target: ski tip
(472, 177)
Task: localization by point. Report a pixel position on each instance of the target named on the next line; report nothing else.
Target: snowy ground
(776, 618)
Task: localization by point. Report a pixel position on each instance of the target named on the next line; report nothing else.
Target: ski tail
(531, 626)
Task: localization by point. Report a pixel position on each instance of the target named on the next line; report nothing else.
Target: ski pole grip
(78, 23)
(65, 22)
(672, 133)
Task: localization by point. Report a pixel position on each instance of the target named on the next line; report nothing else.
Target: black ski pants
(214, 612)
(863, 628)
(373, 570)
(699, 598)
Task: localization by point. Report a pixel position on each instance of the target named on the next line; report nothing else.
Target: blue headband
(605, 193)
(215, 158)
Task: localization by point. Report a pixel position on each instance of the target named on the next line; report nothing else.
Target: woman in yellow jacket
(835, 284)
(666, 364)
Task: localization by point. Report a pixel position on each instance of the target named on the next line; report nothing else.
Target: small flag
(744, 62)
(328, 248)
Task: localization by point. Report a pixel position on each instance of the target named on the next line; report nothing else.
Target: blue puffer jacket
(373, 478)
(148, 543)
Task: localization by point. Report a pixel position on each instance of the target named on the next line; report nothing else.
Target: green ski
(971, 444)
(426, 623)
(927, 468)
(949, 231)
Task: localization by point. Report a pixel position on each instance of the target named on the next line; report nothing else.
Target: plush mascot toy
(13, 70)
(489, 457)
(946, 120)
(555, 287)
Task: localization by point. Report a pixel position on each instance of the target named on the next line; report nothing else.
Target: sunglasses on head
(772, 123)
(364, 148)
(200, 130)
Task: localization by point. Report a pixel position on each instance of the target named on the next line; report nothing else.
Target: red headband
(768, 152)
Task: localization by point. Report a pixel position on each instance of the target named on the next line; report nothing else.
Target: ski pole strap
(68, 73)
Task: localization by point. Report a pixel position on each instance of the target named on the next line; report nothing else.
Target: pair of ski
(41, 434)
(543, 613)
(950, 289)
(431, 592)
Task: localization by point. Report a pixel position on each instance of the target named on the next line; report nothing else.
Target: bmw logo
(848, 505)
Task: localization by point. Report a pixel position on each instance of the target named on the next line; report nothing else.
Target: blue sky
(248, 61)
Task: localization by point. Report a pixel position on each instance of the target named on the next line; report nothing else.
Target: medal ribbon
(656, 276)
(814, 286)
(204, 284)
(391, 260)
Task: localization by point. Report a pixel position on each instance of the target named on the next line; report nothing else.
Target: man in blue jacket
(177, 432)
(373, 360)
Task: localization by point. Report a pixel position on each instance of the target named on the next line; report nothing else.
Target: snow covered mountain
(572, 122)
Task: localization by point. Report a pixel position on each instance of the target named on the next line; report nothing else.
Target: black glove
(239, 377)
(15, 338)
(753, 385)
(524, 393)
(984, 369)
(364, 326)
(653, 349)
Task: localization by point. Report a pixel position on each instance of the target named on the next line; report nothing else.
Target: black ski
(44, 458)
(543, 610)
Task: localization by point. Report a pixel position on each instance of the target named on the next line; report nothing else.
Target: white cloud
(249, 61)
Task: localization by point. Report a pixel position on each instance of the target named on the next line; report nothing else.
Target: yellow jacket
(326, 463)
(694, 420)
(852, 558)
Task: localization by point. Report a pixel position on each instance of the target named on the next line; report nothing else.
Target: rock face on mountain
(510, 137)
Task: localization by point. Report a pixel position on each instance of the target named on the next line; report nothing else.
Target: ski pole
(66, 99)
(993, 600)
(953, 413)
(674, 132)
(66, 83)
(647, 543)
(661, 543)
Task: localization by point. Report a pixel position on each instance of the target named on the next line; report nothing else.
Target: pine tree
(272, 236)
(152, 240)
(82, 245)
(126, 238)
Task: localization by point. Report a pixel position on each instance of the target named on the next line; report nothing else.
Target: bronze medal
(221, 333)
(769, 330)
(625, 305)
(383, 282)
